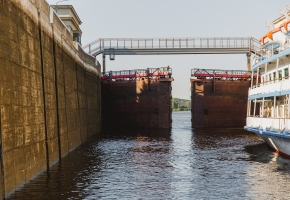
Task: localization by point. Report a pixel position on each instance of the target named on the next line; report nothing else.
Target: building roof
(68, 7)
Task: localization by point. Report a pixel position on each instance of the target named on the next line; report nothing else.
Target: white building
(71, 19)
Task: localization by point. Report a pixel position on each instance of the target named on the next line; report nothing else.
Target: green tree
(180, 104)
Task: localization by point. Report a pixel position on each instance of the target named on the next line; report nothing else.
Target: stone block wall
(49, 92)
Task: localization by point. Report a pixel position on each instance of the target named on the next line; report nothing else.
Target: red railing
(165, 72)
(221, 74)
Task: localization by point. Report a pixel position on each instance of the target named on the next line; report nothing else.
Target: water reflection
(270, 173)
(181, 163)
(261, 153)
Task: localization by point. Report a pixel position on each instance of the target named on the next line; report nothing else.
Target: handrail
(258, 117)
(98, 46)
(267, 53)
(219, 73)
(271, 81)
(137, 73)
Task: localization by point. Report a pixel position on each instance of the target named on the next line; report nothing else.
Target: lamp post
(57, 3)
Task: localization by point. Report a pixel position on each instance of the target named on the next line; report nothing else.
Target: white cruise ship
(268, 113)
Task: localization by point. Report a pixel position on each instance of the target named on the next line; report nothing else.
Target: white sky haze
(175, 19)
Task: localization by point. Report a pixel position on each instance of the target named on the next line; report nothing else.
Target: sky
(175, 19)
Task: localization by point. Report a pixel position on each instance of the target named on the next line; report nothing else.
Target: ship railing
(269, 82)
(270, 88)
(279, 124)
(265, 89)
(267, 53)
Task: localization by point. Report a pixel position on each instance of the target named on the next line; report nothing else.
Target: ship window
(280, 110)
(270, 77)
(286, 73)
(280, 74)
(274, 76)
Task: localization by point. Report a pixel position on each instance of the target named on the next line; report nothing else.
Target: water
(181, 163)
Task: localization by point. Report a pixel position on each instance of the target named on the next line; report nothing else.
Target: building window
(77, 37)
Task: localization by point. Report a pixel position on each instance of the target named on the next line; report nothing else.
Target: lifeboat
(269, 40)
(285, 28)
(268, 37)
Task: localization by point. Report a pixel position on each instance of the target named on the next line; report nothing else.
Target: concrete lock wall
(137, 104)
(49, 92)
(219, 103)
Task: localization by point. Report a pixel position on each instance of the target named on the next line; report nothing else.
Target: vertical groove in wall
(87, 107)
(192, 102)
(43, 90)
(56, 96)
(65, 107)
(1, 163)
(170, 116)
(78, 108)
(99, 106)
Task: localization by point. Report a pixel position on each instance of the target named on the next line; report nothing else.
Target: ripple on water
(181, 163)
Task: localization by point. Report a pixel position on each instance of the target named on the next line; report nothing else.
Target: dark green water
(181, 163)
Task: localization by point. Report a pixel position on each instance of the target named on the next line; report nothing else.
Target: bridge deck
(153, 46)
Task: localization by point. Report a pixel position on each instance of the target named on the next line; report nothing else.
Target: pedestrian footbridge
(165, 46)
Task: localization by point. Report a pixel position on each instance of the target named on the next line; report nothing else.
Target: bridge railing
(98, 46)
(256, 46)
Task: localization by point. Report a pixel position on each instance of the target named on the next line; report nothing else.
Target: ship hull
(278, 141)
